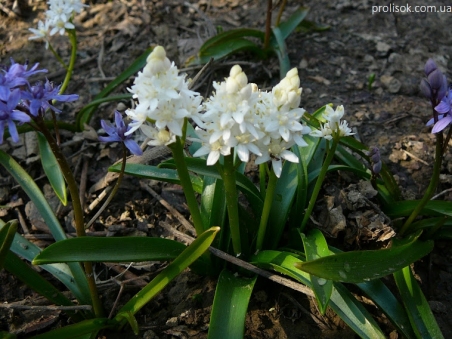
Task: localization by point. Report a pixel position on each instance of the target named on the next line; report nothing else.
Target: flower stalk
(431, 187)
(270, 191)
(184, 177)
(228, 176)
(318, 184)
(77, 207)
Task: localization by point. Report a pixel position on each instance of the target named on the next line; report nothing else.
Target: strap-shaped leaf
(156, 173)
(76, 331)
(52, 169)
(288, 26)
(194, 251)
(111, 249)
(26, 274)
(286, 188)
(342, 301)
(315, 246)
(6, 238)
(419, 312)
(230, 304)
(35, 194)
(244, 184)
(377, 291)
(400, 209)
(361, 266)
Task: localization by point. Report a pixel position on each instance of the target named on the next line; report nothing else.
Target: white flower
(164, 99)
(58, 18)
(333, 125)
(276, 151)
(333, 116)
(158, 137)
(214, 149)
(42, 32)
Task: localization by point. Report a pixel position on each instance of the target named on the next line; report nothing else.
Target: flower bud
(425, 88)
(429, 67)
(157, 62)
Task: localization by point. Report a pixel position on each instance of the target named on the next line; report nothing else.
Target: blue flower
(118, 134)
(17, 75)
(40, 96)
(9, 114)
(444, 108)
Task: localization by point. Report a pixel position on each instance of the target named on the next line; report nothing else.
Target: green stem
(77, 207)
(431, 187)
(70, 69)
(228, 176)
(266, 210)
(262, 179)
(319, 182)
(57, 56)
(184, 177)
(115, 188)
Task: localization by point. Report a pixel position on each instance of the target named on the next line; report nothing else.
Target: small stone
(172, 322)
(382, 48)
(392, 84)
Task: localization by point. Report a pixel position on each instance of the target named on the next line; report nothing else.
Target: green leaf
(284, 194)
(111, 249)
(36, 196)
(315, 247)
(244, 184)
(230, 304)
(185, 259)
(341, 301)
(228, 43)
(419, 312)
(280, 48)
(288, 26)
(77, 330)
(377, 291)
(7, 234)
(62, 272)
(404, 208)
(361, 266)
(52, 169)
(156, 173)
(354, 314)
(227, 48)
(85, 114)
(14, 265)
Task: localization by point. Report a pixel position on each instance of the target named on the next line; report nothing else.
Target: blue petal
(108, 128)
(13, 131)
(133, 147)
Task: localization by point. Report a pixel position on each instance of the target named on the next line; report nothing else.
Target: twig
(48, 308)
(270, 276)
(22, 221)
(101, 197)
(441, 193)
(170, 208)
(416, 158)
(100, 58)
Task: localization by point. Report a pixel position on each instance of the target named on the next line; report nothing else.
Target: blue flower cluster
(20, 102)
(435, 88)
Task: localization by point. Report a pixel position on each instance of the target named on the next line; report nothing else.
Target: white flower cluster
(164, 100)
(333, 124)
(58, 19)
(240, 116)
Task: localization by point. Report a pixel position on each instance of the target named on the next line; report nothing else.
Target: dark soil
(334, 67)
